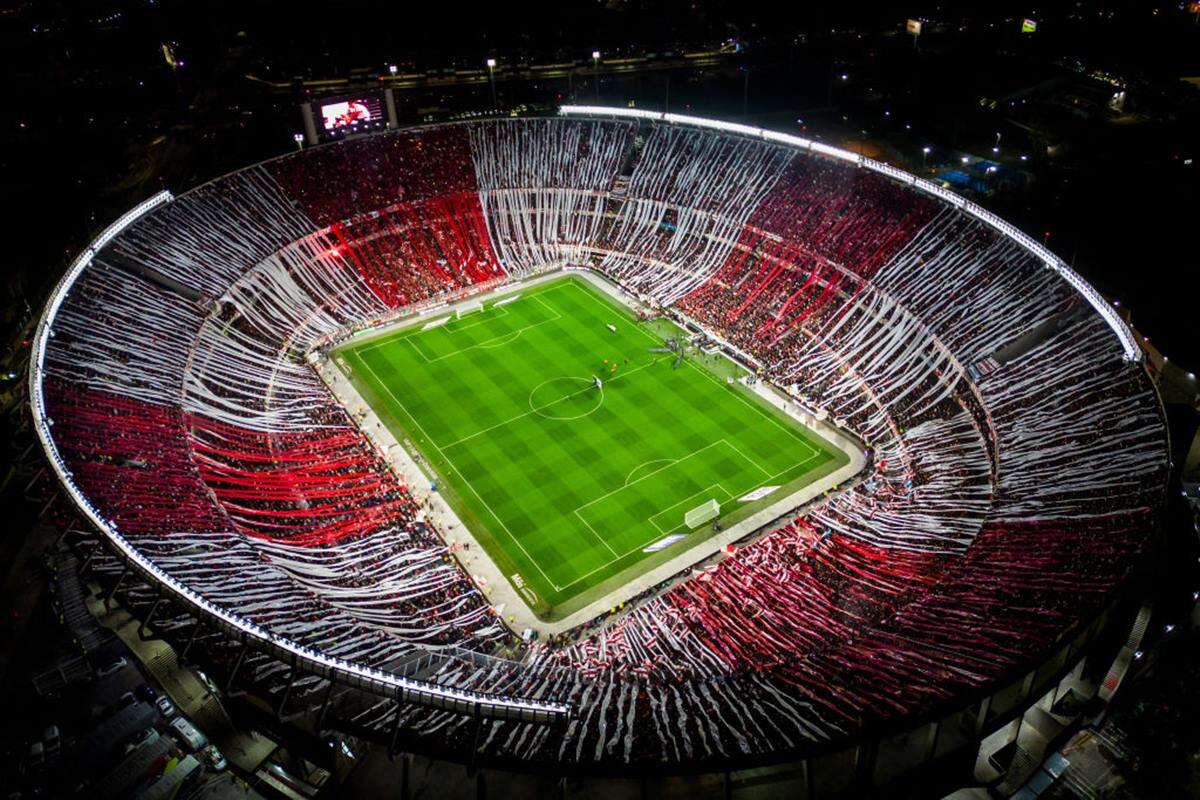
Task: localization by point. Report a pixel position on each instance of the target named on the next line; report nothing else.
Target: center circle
(565, 398)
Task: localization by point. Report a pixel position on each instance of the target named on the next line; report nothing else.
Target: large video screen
(352, 114)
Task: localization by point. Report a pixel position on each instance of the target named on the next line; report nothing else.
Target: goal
(702, 514)
(467, 308)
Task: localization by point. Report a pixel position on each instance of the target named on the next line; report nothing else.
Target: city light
(491, 63)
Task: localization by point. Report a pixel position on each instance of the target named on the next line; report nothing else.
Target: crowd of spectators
(999, 508)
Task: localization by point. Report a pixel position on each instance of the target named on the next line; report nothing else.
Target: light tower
(596, 72)
(491, 65)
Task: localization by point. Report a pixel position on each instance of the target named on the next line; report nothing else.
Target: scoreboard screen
(353, 114)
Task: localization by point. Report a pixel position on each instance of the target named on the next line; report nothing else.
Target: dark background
(96, 120)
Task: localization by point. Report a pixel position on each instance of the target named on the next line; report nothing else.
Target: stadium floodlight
(596, 72)
(491, 65)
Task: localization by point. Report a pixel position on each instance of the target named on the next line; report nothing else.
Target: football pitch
(566, 483)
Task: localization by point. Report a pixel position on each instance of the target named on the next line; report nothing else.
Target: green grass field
(563, 483)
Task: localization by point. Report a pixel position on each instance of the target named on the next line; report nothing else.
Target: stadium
(609, 442)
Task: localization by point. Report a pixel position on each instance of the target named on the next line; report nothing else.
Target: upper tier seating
(1001, 506)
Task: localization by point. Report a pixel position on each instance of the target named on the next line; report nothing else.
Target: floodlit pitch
(569, 447)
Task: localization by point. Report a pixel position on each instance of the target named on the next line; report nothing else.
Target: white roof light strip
(1131, 350)
(330, 665)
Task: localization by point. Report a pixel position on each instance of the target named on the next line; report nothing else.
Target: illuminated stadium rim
(1106, 311)
(334, 669)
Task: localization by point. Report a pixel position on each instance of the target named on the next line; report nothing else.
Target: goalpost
(702, 513)
(467, 308)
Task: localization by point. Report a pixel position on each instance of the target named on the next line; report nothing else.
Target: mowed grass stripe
(519, 475)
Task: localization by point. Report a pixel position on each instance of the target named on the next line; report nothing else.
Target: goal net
(467, 308)
(702, 514)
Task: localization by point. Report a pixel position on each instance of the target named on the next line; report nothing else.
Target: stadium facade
(961, 595)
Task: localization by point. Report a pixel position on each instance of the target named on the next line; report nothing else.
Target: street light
(392, 69)
(596, 72)
(298, 138)
(491, 65)
(925, 154)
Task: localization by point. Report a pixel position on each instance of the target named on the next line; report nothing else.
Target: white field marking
(539, 409)
(411, 331)
(635, 549)
(459, 324)
(653, 338)
(411, 334)
(753, 463)
(647, 463)
(792, 433)
(396, 400)
(602, 540)
(770, 417)
(792, 467)
(527, 413)
(496, 341)
(500, 341)
(470, 485)
(650, 474)
(728, 497)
